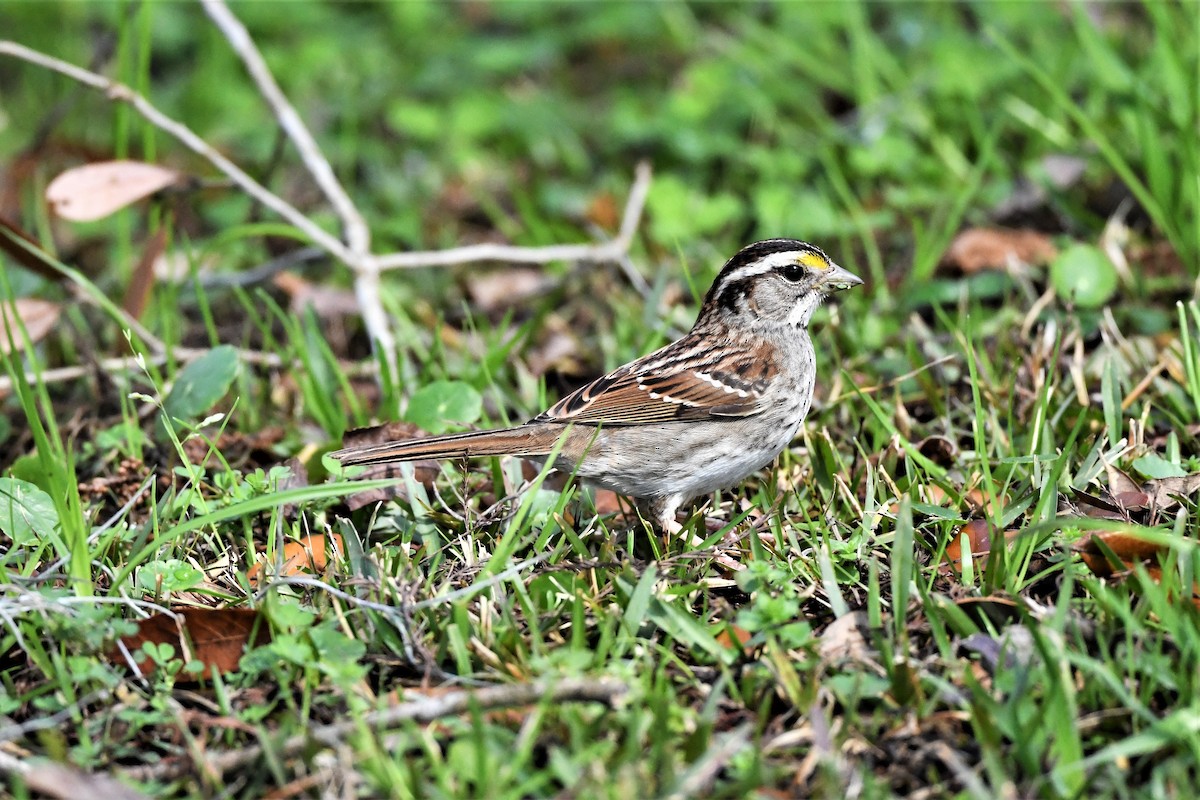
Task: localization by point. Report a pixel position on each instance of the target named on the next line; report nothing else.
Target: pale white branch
(612, 250)
(357, 235)
(123, 94)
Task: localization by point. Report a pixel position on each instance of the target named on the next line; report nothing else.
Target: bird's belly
(681, 459)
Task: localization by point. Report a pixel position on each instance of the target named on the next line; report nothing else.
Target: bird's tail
(527, 440)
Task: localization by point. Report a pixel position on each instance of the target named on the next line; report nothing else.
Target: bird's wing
(692, 379)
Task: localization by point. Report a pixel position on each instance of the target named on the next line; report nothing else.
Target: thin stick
(354, 227)
(612, 250)
(366, 267)
(421, 710)
(123, 94)
(358, 237)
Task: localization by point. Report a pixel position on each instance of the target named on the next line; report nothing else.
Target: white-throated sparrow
(690, 418)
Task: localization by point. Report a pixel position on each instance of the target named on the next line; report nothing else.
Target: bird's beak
(836, 279)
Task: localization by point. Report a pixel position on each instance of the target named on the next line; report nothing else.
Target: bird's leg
(662, 515)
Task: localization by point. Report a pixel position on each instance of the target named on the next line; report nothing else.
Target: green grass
(850, 656)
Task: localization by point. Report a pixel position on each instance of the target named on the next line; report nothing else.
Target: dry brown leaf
(732, 637)
(558, 350)
(68, 782)
(977, 249)
(1156, 493)
(980, 536)
(94, 191)
(1119, 481)
(1131, 549)
(978, 500)
(309, 554)
(214, 637)
(1164, 492)
(499, 289)
(1127, 546)
(993, 609)
(1094, 506)
(327, 302)
(938, 449)
(845, 639)
(138, 291)
(604, 211)
(38, 316)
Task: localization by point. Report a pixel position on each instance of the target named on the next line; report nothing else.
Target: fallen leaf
(990, 610)
(142, 281)
(326, 302)
(733, 637)
(499, 289)
(309, 554)
(978, 500)
(1157, 493)
(94, 191)
(977, 249)
(558, 350)
(213, 637)
(1119, 481)
(38, 316)
(1128, 547)
(980, 536)
(938, 449)
(845, 639)
(604, 212)
(1165, 492)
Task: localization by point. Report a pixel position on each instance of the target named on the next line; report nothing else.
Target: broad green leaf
(202, 383)
(1153, 466)
(1084, 275)
(436, 406)
(26, 512)
(169, 575)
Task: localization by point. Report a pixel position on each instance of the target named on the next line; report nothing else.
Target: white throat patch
(806, 304)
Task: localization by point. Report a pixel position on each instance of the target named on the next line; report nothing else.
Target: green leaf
(443, 402)
(202, 383)
(26, 512)
(1083, 273)
(169, 575)
(1153, 466)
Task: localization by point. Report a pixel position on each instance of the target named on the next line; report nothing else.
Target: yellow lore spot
(812, 261)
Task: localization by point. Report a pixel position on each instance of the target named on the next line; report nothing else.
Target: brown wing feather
(681, 382)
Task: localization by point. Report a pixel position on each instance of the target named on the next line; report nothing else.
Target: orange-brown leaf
(309, 554)
(1128, 547)
(214, 637)
(978, 249)
(981, 538)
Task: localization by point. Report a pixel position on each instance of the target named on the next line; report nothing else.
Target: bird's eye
(792, 272)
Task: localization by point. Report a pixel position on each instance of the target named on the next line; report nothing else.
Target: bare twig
(127, 363)
(123, 94)
(421, 710)
(54, 779)
(357, 235)
(612, 250)
(354, 253)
